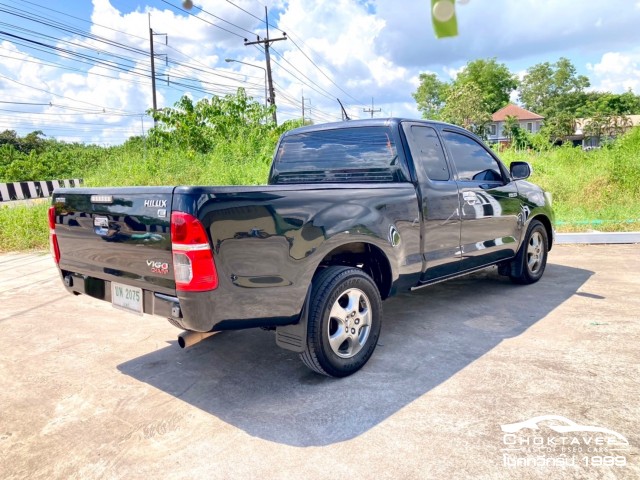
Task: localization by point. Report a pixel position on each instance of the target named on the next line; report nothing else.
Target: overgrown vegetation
(592, 190)
(228, 141)
(33, 157)
(218, 141)
(553, 90)
(24, 227)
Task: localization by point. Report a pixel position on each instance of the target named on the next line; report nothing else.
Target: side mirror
(520, 170)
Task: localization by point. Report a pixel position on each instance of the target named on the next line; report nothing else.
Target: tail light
(53, 238)
(193, 264)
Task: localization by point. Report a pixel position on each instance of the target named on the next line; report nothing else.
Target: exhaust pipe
(189, 338)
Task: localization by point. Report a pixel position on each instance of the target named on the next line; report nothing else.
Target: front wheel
(529, 264)
(344, 321)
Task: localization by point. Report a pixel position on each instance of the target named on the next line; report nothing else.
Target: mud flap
(294, 337)
(517, 264)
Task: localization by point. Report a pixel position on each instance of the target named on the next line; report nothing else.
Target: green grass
(594, 190)
(240, 163)
(24, 227)
(237, 163)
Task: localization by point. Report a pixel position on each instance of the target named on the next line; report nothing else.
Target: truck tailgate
(117, 234)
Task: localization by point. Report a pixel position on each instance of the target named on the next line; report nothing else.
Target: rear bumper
(216, 310)
(154, 303)
(199, 311)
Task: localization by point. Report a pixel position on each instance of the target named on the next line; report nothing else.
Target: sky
(80, 70)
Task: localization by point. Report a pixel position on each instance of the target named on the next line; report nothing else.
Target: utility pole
(153, 66)
(267, 43)
(371, 110)
(306, 112)
(153, 71)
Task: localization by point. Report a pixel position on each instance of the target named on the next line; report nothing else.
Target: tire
(529, 264)
(344, 321)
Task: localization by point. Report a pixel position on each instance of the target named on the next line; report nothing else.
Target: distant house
(590, 132)
(529, 122)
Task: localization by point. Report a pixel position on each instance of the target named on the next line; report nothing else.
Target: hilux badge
(155, 203)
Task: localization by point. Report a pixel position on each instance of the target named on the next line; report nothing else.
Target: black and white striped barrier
(25, 190)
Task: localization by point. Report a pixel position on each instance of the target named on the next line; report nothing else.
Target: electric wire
(121, 67)
(206, 21)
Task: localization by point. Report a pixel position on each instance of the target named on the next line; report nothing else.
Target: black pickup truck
(354, 212)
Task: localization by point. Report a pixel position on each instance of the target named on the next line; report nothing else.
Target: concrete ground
(88, 392)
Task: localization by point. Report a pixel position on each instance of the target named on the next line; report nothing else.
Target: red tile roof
(515, 111)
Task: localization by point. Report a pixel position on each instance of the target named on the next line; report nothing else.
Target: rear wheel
(529, 264)
(344, 321)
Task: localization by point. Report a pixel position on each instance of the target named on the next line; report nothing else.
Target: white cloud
(344, 46)
(452, 73)
(506, 29)
(374, 48)
(616, 72)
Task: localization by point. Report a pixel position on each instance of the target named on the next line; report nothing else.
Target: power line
(318, 88)
(221, 19)
(112, 65)
(56, 94)
(69, 29)
(248, 13)
(81, 19)
(371, 110)
(206, 21)
(322, 72)
(266, 43)
(211, 71)
(119, 57)
(301, 50)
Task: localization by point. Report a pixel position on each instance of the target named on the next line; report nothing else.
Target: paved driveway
(87, 391)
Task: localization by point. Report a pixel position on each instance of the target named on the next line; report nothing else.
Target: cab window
(471, 159)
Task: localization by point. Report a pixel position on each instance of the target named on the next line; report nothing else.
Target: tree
(607, 103)
(593, 127)
(518, 137)
(200, 125)
(511, 125)
(31, 141)
(603, 125)
(558, 127)
(553, 89)
(430, 95)
(495, 81)
(464, 106)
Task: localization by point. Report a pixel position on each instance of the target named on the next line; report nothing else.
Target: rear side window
(473, 162)
(362, 154)
(429, 152)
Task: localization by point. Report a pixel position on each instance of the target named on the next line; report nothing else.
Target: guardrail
(598, 237)
(41, 189)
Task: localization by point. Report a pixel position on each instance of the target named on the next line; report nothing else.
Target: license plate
(126, 298)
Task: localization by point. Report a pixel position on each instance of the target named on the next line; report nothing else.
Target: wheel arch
(366, 256)
(546, 222)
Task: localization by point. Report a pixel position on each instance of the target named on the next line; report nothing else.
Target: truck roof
(368, 122)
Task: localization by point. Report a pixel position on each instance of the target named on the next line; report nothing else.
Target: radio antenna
(345, 116)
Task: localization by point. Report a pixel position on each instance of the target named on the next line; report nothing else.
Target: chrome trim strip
(457, 275)
(190, 248)
(167, 298)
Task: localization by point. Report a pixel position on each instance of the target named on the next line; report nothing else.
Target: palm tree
(511, 127)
